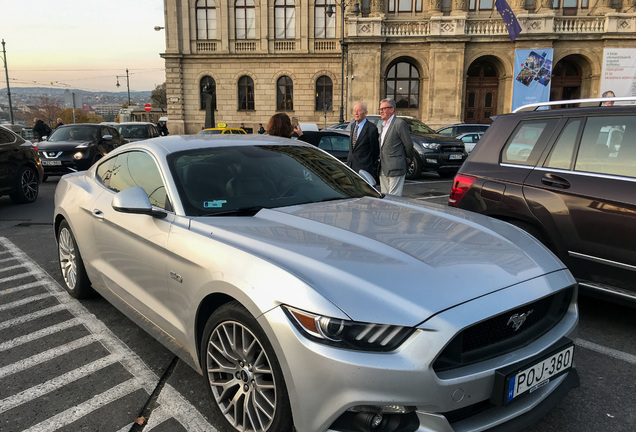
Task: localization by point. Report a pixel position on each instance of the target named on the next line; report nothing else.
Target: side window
(105, 172)
(527, 142)
(608, 146)
(340, 143)
(6, 137)
(136, 169)
(562, 154)
(325, 143)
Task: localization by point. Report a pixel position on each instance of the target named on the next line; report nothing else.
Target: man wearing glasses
(396, 149)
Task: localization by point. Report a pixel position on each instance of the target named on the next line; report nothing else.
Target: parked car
(137, 131)
(460, 128)
(222, 130)
(338, 126)
(469, 139)
(76, 147)
(310, 301)
(334, 142)
(20, 167)
(432, 152)
(567, 177)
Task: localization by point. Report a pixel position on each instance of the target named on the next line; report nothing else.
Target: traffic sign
(147, 107)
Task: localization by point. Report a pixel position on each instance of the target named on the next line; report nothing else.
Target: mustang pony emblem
(517, 320)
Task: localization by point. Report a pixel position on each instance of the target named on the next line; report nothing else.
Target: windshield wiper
(245, 211)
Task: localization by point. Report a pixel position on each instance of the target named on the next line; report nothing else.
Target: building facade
(443, 61)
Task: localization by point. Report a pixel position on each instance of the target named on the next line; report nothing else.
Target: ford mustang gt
(311, 302)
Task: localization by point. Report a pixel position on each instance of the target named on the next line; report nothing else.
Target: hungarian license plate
(455, 156)
(51, 163)
(535, 374)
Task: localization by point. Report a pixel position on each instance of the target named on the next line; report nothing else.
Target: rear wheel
(414, 169)
(74, 274)
(27, 186)
(243, 375)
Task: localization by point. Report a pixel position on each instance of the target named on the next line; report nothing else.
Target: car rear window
(527, 142)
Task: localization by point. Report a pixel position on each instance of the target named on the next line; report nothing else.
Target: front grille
(496, 335)
(452, 148)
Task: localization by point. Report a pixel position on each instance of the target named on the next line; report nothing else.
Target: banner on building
(619, 71)
(533, 69)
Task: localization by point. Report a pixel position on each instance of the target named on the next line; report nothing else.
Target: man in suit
(364, 147)
(396, 149)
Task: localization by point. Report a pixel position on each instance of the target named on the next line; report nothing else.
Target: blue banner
(533, 69)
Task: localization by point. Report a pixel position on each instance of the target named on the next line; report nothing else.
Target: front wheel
(414, 169)
(74, 274)
(244, 378)
(27, 187)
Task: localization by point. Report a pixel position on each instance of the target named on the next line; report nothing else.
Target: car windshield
(241, 180)
(72, 133)
(133, 131)
(417, 127)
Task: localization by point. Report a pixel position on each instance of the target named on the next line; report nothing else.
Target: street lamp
(158, 28)
(6, 71)
(127, 84)
(356, 10)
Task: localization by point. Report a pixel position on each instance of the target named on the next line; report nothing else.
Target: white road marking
(13, 290)
(610, 352)
(23, 301)
(21, 340)
(170, 400)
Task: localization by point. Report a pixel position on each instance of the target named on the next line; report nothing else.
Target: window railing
(325, 45)
(206, 46)
(244, 46)
(405, 28)
(284, 45)
(579, 24)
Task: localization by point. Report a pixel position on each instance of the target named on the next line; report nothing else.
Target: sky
(83, 44)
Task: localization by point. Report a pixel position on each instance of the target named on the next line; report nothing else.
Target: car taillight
(461, 184)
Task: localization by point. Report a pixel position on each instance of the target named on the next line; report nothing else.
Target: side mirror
(367, 177)
(134, 200)
(107, 137)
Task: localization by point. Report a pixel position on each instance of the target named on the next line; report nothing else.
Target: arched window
(324, 94)
(403, 85)
(284, 94)
(405, 6)
(207, 86)
(245, 93)
(245, 19)
(324, 25)
(206, 19)
(284, 19)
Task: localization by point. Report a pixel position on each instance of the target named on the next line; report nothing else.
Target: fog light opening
(368, 422)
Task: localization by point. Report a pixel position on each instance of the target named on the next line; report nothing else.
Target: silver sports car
(311, 302)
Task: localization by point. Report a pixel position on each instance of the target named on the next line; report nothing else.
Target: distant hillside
(30, 96)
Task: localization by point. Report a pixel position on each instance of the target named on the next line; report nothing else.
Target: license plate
(455, 156)
(51, 163)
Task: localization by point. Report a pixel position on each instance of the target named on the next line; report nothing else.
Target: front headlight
(348, 334)
(78, 155)
(431, 146)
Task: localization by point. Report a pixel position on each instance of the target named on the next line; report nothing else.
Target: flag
(509, 18)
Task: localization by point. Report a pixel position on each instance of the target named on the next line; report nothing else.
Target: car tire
(72, 267)
(243, 374)
(533, 231)
(414, 170)
(27, 187)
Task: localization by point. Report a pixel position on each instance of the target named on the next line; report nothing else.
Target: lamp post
(127, 84)
(6, 71)
(356, 10)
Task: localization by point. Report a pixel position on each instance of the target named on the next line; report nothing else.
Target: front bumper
(325, 382)
(60, 163)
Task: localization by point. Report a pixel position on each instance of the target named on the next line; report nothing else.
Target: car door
(132, 248)
(585, 194)
(9, 153)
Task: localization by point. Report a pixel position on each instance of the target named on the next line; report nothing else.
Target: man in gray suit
(396, 149)
(364, 147)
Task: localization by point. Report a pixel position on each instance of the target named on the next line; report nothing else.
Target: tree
(158, 97)
(48, 109)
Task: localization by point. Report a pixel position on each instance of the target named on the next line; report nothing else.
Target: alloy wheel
(29, 185)
(68, 258)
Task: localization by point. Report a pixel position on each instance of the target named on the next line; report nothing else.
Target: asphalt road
(82, 366)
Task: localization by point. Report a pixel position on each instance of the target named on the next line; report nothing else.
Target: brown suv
(568, 177)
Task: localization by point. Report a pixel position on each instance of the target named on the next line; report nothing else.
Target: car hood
(435, 137)
(388, 260)
(61, 145)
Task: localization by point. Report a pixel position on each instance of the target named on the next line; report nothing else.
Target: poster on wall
(619, 71)
(533, 69)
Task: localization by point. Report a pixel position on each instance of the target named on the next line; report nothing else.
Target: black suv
(568, 177)
(20, 168)
(431, 151)
(76, 147)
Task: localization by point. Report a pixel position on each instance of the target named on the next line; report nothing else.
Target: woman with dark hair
(280, 125)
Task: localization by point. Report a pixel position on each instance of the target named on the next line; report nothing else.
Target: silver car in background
(311, 302)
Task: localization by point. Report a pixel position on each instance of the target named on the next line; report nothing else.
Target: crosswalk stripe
(32, 316)
(13, 290)
(21, 340)
(23, 301)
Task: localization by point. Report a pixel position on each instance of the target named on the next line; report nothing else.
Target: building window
(284, 94)
(207, 86)
(284, 19)
(245, 19)
(206, 19)
(569, 7)
(403, 85)
(481, 5)
(324, 94)
(246, 93)
(324, 26)
(405, 6)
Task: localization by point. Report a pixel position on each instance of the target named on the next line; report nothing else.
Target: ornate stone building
(444, 61)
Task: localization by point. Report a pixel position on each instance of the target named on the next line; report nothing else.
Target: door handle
(98, 214)
(555, 181)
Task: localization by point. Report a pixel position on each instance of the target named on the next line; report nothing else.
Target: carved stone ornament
(459, 5)
(436, 5)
